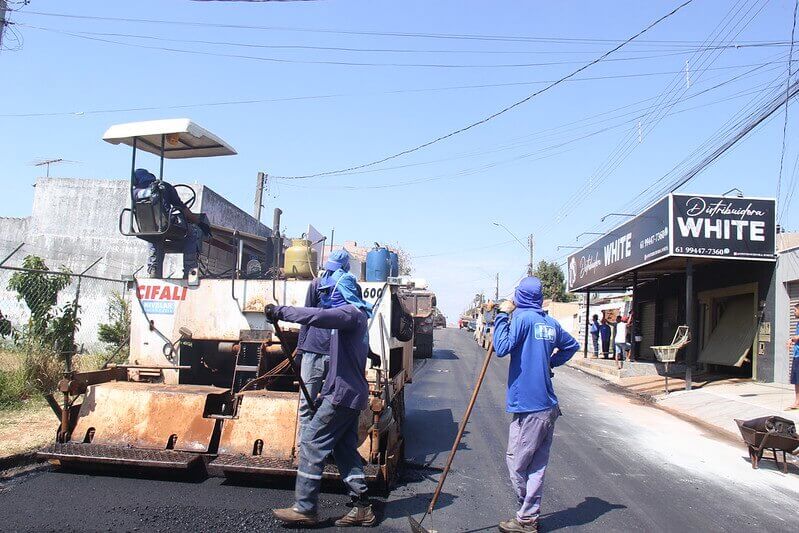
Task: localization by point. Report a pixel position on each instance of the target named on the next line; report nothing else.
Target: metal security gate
(647, 322)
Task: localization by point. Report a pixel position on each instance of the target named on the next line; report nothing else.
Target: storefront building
(698, 260)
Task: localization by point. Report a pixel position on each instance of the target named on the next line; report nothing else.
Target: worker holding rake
(536, 343)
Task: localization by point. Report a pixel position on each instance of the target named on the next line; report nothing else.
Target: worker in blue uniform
(334, 426)
(536, 343)
(144, 186)
(313, 343)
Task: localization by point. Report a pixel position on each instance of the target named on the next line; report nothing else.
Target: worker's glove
(507, 307)
(271, 313)
(374, 359)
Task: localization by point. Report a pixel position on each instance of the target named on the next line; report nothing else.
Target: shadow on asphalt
(412, 505)
(584, 513)
(447, 355)
(433, 432)
(195, 474)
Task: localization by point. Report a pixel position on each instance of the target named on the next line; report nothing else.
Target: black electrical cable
(501, 111)
(787, 86)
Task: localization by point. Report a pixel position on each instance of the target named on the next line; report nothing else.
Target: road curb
(648, 399)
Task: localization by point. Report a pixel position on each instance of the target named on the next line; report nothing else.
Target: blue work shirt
(796, 344)
(312, 339)
(346, 383)
(530, 337)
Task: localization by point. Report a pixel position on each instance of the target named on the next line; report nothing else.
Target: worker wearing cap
(536, 342)
(314, 343)
(334, 426)
(144, 182)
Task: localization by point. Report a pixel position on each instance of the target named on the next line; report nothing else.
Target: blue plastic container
(378, 264)
(393, 261)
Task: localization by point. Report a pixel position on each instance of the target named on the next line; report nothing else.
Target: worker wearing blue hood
(146, 186)
(536, 343)
(334, 426)
(313, 343)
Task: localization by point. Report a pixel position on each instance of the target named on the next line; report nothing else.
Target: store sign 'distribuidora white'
(679, 225)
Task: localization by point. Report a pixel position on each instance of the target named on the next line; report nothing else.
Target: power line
(501, 111)
(468, 37)
(667, 99)
(538, 152)
(344, 95)
(87, 36)
(787, 86)
(677, 51)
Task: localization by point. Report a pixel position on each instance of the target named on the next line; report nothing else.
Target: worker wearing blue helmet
(334, 426)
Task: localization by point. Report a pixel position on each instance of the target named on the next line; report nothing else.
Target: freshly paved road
(617, 465)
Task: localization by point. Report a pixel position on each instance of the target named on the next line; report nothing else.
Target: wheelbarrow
(772, 433)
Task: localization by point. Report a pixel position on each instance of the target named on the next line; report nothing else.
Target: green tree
(116, 331)
(39, 289)
(553, 282)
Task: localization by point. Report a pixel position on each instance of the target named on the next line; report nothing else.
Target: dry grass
(9, 360)
(27, 428)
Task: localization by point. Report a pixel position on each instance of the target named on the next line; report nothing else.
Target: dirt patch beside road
(26, 429)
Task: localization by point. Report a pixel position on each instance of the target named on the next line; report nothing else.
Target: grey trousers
(529, 440)
(333, 429)
(313, 370)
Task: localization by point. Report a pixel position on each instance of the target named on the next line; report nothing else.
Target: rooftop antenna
(45, 162)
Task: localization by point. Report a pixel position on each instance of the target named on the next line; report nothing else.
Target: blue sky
(542, 168)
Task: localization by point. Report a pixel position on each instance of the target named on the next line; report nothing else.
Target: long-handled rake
(417, 527)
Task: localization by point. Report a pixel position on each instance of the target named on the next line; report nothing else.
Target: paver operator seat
(149, 217)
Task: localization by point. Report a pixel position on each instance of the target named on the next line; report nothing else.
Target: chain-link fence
(54, 317)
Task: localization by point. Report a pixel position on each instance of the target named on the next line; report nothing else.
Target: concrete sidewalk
(713, 403)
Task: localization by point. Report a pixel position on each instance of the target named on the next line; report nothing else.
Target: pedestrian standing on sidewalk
(605, 332)
(594, 330)
(793, 344)
(313, 343)
(536, 342)
(620, 339)
(334, 427)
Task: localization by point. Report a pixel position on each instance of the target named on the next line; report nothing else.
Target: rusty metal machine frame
(166, 409)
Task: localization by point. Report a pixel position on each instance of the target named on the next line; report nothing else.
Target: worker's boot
(361, 514)
(293, 517)
(514, 526)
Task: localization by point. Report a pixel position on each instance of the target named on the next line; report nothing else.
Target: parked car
(471, 325)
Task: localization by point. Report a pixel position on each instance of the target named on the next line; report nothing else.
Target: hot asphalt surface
(616, 465)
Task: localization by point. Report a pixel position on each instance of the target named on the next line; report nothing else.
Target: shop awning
(730, 343)
(658, 241)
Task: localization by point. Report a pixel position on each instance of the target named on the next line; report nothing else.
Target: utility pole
(531, 247)
(496, 291)
(3, 20)
(260, 184)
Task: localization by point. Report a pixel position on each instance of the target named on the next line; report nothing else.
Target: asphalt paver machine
(208, 383)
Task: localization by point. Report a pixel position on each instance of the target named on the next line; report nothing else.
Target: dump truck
(420, 303)
(209, 382)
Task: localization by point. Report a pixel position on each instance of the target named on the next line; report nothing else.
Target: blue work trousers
(333, 429)
(313, 370)
(190, 247)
